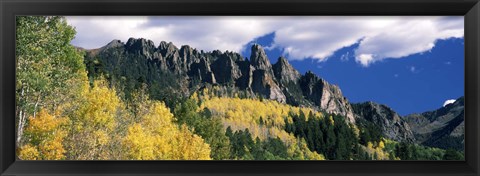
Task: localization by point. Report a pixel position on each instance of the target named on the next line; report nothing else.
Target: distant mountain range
(443, 128)
(172, 73)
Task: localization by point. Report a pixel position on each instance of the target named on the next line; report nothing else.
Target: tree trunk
(21, 119)
(36, 105)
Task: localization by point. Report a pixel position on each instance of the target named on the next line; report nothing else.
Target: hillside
(173, 73)
(443, 128)
(170, 73)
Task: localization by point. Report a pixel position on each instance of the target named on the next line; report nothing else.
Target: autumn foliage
(61, 114)
(46, 136)
(156, 137)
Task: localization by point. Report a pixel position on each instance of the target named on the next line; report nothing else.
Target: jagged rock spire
(259, 59)
(284, 72)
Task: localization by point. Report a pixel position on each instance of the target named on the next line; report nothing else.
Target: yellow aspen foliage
(28, 152)
(330, 119)
(53, 149)
(94, 122)
(194, 96)
(300, 151)
(100, 107)
(381, 145)
(43, 124)
(369, 145)
(249, 111)
(45, 137)
(156, 137)
(205, 94)
(381, 154)
(140, 145)
(241, 114)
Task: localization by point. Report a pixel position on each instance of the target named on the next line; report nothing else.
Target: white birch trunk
(21, 120)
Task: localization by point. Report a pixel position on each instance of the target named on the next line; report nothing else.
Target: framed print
(234, 88)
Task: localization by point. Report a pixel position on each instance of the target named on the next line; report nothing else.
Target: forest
(68, 109)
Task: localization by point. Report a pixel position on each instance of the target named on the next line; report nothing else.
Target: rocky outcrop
(328, 97)
(200, 70)
(263, 80)
(259, 59)
(140, 46)
(226, 70)
(443, 128)
(257, 76)
(392, 125)
(284, 72)
(113, 44)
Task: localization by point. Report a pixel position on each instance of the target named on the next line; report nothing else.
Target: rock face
(226, 70)
(185, 69)
(443, 128)
(328, 97)
(284, 72)
(200, 70)
(391, 124)
(263, 79)
(141, 46)
(259, 59)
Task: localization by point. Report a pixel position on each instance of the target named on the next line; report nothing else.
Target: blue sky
(413, 84)
(412, 64)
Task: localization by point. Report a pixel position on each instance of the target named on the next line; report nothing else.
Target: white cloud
(208, 33)
(365, 59)
(95, 32)
(448, 102)
(408, 36)
(378, 38)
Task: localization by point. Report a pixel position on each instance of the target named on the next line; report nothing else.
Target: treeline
(227, 144)
(331, 136)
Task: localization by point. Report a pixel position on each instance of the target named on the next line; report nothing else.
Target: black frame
(468, 8)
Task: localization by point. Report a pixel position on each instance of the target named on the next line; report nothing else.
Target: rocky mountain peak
(325, 95)
(310, 77)
(284, 72)
(110, 45)
(113, 44)
(391, 124)
(141, 45)
(167, 48)
(257, 75)
(259, 59)
(443, 128)
(187, 51)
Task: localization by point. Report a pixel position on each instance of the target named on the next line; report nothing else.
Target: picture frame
(470, 9)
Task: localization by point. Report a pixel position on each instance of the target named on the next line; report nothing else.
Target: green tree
(203, 124)
(451, 154)
(50, 71)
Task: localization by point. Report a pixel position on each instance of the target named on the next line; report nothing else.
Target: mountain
(170, 72)
(390, 123)
(443, 128)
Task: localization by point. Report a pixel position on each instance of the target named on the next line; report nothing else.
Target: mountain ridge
(279, 81)
(443, 128)
(176, 72)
